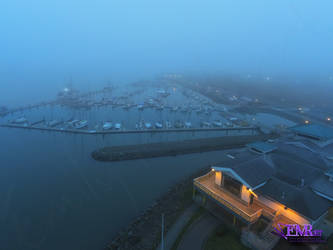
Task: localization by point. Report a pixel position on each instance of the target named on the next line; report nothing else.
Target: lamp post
(162, 233)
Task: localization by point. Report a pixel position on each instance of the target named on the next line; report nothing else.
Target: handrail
(245, 215)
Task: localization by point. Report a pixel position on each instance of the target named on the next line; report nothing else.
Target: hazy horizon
(45, 44)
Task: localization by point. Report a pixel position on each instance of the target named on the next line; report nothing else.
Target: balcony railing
(247, 213)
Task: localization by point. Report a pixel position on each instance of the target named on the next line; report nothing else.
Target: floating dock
(145, 131)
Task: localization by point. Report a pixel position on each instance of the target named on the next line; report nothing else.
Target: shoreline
(145, 231)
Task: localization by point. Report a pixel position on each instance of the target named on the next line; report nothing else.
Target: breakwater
(151, 150)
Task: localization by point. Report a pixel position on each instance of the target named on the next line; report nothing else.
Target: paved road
(198, 232)
(174, 231)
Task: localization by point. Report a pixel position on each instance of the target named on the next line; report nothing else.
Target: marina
(115, 110)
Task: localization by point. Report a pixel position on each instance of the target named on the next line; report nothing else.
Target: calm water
(53, 195)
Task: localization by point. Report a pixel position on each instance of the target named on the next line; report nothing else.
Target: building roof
(315, 131)
(251, 169)
(292, 171)
(304, 201)
(301, 154)
(329, 172)
(262, 147)
(323, 186)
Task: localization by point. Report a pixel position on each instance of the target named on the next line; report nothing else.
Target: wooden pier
(145, 131)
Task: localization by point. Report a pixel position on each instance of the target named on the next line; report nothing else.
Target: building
(318, 134)
(278, 182)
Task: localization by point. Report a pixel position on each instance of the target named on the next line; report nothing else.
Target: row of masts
(109, 125)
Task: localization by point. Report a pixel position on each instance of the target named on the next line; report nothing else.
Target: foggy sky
(44, 43)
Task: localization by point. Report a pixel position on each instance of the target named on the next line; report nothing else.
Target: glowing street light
(328, 119)
(307, 122)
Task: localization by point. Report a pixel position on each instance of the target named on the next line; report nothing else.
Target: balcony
(206, 184)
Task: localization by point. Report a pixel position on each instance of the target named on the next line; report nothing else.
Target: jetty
(174, 148)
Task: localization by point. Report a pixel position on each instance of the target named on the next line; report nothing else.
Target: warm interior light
(250, 190)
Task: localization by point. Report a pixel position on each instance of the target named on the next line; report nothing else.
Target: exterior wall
(218, 178)
(289, 213)
(245, 195)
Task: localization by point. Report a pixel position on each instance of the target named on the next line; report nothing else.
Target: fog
(44, 44)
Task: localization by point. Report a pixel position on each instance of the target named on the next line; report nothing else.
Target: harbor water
(55, 196)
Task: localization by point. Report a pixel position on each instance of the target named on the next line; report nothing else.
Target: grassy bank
(224, 239)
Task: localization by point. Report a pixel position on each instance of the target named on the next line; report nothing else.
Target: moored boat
(147, 125)
(168, 124)
(217, 123)
(188, 124)
(117, 126)
(205, 124)
(20, 120)
(178, 124)
(81, 124)
(107, 125)
(158, 125)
